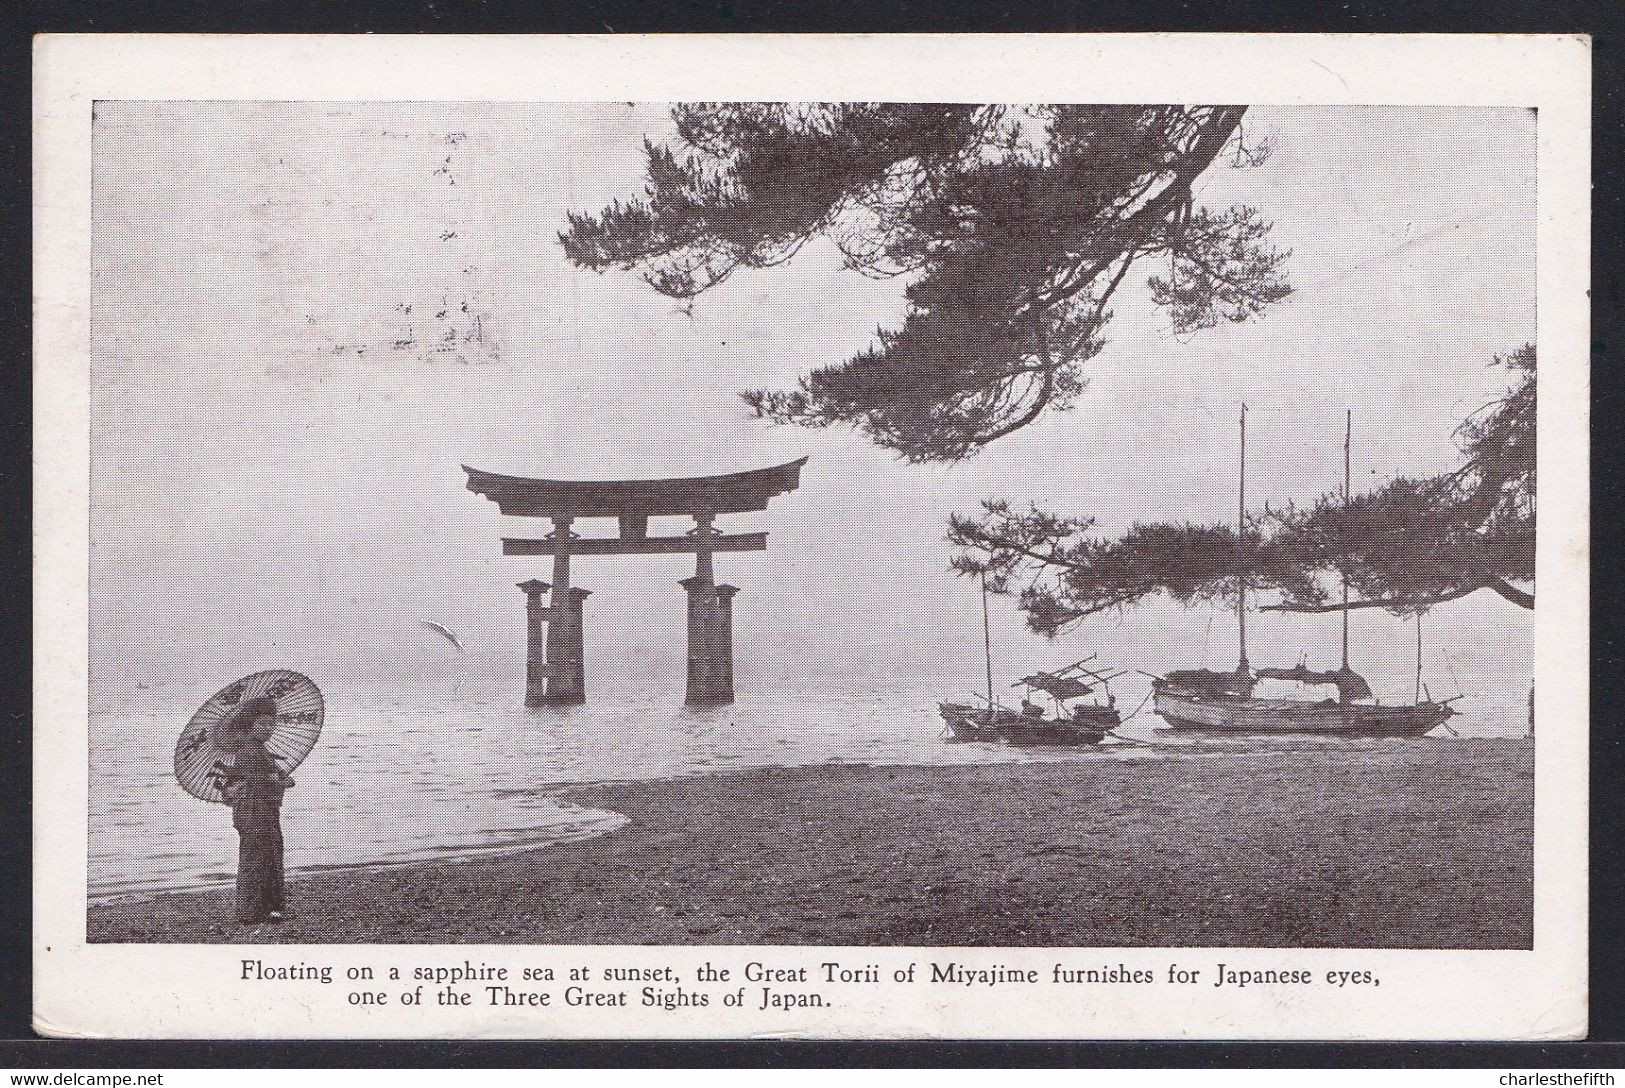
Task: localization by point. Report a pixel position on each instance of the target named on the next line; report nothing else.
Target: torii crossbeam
(555, 671)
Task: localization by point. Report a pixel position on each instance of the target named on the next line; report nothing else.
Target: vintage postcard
(832, 537)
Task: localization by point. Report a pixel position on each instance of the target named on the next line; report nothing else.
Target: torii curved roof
(734, 492)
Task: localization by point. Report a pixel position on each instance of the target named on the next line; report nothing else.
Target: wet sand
(1403, 844)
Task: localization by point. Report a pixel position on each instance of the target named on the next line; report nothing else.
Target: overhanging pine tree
(1407, 546)
(1012, 227)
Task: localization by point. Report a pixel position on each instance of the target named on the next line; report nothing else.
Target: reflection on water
(407, 773)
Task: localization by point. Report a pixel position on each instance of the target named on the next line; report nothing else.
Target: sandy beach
(1423, 844)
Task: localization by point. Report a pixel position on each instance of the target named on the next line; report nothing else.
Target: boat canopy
(1062, 687)
(1350, 684)
(1212, 682)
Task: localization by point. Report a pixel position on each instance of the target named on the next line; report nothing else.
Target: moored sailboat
(1072, 723)
(1225, 702)
(1185, 707)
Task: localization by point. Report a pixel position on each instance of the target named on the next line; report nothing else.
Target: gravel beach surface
(1402, 844)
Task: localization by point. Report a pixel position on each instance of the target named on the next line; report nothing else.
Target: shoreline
(449, 856)
(1413, 845)
(566, 792)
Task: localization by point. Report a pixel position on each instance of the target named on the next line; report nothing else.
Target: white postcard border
(189, 991)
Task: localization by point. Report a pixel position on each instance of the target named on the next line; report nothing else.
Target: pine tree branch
(1410, 604)
(1510, 592)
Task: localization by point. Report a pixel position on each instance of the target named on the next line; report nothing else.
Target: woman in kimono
(253, 787)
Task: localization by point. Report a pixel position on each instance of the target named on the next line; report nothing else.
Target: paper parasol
(209, 743)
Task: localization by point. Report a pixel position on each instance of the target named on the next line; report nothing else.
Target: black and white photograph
(479, 421)
(819, 522)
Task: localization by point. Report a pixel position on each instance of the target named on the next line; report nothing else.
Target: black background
(20, 1048)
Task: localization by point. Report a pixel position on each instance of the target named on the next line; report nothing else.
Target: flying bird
(441, 629)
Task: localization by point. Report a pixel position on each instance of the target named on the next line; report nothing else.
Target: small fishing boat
(1028, 727)
(1071, 724)
(1227, 702)
(1001, 725)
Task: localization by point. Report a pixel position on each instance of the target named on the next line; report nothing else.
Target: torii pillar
(710, 654)
(725, 637)
(710, 642)
(566, 672)
(555, 658)
(535, 642)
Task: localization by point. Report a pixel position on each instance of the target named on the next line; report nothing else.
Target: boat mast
(987, 642)
(1241, 531)
(1417, 698)
(1348, 427)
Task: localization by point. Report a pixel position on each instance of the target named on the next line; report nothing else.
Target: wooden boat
(1189, 707)
(1029, 726)
(1085, 725)
(1226, 702)
(967, 723)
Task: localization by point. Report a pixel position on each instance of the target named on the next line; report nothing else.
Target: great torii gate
(555, 666)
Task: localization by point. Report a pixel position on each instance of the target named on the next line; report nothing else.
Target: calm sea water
(445, 769)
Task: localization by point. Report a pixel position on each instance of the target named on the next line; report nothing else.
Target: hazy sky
(277, 439)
